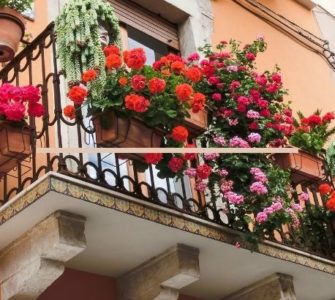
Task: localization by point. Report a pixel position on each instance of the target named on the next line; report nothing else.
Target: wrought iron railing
(37, 64)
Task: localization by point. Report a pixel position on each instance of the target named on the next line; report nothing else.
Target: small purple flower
(234, 198)
(261, 217)
(276, 206)
(238, 142)
(258, 175)
(252, 114)
(260, 37)
(297, 207)
(232, 68)
(211, 156)
(254, 138)
(219, 140)
(191, 172)
(303, 197)
(258, 188)
(223, 172)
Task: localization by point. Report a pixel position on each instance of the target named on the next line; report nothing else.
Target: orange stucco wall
(77, 285)
(306, 75)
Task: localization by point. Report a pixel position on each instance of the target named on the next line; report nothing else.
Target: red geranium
(203, 171)
(113, 61)
(194, 74)
(89, 75)
(314, 120)
(156, 85)
(328, 117)
(137, 103)
(35, 109)
(153, 158)
(138, 82)
(123, 81)
(179, 134)
(331, 204)
(111, 49)
(324, 189)
(190, 156)
(177, 67)
(184, 91)
(250, 56)
(176, 164)
(77, 94)
(135, 59)
(198, 102)
(69, 112)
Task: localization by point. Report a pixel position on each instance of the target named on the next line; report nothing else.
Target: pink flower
(201, 186)
(193, 57)
(36, 109)
(258, 175)
(223, 172)
(261, 217)
(234, 198)
(258, 188)
(238, 142)
(276, 206)
(261, 80)
(250, 56)
(252, 114)
(303, 197)
(219, 140)
(260, 37)
(31, 93)
(243, 100)
(268, 210)
(233, 122)
(191, 172)
(235, 85)
(237, 245)
(15, 111)
(211, 156)
(232, 68)
(276, 77)
(254, 138)
(272, 88)
(297, 207)
(213, 80)
(216, 97)
(226, 186)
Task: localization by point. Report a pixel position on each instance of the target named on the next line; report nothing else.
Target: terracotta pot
(14, 147)
(11, 32)
(303, 165)
(197, 123)
(114, 131)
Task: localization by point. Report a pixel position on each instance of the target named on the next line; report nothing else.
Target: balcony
(37, 64)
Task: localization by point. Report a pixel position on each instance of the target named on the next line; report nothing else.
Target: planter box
(15, 146)
(12, 27)
(197, 123)
(303, 165)
(114, 131)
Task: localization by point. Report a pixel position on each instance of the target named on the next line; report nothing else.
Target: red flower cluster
(324, 189)
(89, 75)
(69, 112)
(193, 73)
(313, 120)
(13, 102)
(135, 58)
(204, 171)
(138, 82)
(137, 103)
(156, 85)
(179, 134)
(153, 158)
(77, 94)
(113, 57)
(184, 92)
(176, 164)
(198, 102)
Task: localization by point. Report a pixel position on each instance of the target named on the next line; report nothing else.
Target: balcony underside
(122, 232)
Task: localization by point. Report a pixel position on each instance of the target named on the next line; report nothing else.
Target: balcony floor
(119, 239)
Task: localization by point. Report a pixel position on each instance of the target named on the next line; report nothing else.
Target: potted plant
(12, 26)
(82, 28)
(310, 135)
(140, 105)
(16, 103)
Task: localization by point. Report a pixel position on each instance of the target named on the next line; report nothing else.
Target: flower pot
(197, 123)
(115, 131)
(11, 32)
(303, 165)
(15, 146)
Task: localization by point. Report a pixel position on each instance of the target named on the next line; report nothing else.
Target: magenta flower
(261, 217)
(254, 138)
(258, 188)
(303, 197)
(191, 172)
(234, 198)
(252, 114)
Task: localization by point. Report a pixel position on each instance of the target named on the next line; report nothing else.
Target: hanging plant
(79, 28)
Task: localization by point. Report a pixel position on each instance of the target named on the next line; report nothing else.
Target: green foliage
(78, 38)
(330, 156)
(18, 5)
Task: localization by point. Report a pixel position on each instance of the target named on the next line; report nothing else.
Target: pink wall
(77, 285)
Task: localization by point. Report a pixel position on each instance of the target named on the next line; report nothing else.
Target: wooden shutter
(147, 22)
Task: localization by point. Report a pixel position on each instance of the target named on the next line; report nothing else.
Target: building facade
(84, 227)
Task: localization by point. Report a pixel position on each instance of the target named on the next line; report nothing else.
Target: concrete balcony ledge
(124, 231)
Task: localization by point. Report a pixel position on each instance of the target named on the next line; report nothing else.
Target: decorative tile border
(140, 209)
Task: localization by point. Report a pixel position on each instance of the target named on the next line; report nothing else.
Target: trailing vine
(78, 37)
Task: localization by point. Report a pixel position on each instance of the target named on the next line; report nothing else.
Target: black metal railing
(37, 64)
